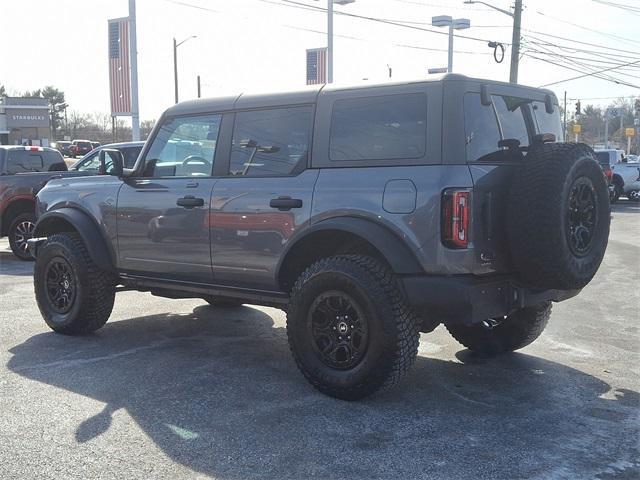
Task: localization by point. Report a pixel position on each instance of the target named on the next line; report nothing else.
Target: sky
(255, 45)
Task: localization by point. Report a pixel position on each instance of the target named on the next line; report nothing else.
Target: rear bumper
(470, 299)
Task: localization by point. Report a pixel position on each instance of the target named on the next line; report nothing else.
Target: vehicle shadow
(219, 393)
(10, 265)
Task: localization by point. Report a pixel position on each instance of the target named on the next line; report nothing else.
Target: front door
(265, 196)
(163, 228)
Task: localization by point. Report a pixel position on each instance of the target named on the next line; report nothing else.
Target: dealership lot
(178, 389)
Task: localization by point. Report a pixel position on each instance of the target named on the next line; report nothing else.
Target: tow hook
(490, 323)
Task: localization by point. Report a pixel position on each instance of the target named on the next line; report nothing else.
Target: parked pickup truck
(626, 179)
(23, 172)
(368, 213)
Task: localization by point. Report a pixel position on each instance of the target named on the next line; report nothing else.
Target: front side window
(548, 122)
(482, 133)
(379, 128)
(90, 164)
(270, 142)
(21, 161)
(512, 117)
(184, 147)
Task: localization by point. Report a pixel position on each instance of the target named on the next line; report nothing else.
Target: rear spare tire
(558, 216)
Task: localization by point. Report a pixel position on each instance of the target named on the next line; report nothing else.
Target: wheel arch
(344, 235)
(16, 207)
(617, 179)
(74, 220)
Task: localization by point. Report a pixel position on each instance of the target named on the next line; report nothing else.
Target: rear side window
(603, 158)
(482, 133)
(270, 142)
(21, 161)
(53, 162)
(379, 128)
(510, 112)
(548, 122)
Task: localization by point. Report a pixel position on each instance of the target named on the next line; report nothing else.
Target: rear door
(508, 117)
(265, 195)
(163, 213)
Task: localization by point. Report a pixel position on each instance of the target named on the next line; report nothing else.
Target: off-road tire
(222, 302)
(539, 225)
(515, 331)
(393, 337)
(95, 288)
(17, 245)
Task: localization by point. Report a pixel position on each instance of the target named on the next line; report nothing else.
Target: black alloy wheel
(339, 330)
(60, 285)
(582, 216)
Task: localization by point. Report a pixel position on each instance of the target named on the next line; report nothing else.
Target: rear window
(379, 128)
(85, 144)
(24, 161)
(548, 122)
(510, 112)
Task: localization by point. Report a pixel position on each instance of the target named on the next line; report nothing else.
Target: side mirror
(113, 164)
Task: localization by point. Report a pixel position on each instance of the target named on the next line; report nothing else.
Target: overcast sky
(260, 44)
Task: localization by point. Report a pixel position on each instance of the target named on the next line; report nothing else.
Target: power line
(584, 74)
(622, 6)
(610, 35)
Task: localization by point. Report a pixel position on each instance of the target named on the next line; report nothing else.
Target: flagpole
(133, 44)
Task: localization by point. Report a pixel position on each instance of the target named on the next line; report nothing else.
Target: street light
(330, 35)
(515, 37)
(453, 24)
(175, 61)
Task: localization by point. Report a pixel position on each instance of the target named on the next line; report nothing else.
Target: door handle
(190, 201)
(285, 203)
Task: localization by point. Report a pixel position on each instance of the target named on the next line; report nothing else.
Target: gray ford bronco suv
(367, 213)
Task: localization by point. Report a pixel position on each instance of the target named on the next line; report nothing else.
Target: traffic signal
(578, 109)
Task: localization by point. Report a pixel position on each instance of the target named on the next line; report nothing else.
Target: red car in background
(80, 148)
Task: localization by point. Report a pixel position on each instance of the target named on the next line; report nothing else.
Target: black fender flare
(100, 250)
(396, 252)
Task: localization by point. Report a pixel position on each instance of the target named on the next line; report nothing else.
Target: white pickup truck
(625, 179)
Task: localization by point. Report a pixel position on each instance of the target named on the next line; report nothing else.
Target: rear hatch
(497, 137)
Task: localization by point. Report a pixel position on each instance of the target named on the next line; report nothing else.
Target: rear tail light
(456, 218)
(608, 172)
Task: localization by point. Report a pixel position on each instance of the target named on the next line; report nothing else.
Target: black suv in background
(368, 213)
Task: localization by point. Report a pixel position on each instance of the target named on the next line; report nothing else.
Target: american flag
(119, 80)
(316, 66)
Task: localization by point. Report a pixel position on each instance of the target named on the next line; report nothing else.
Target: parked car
(374, 212)
(626, 180)
(80, 147)
(91, 161)
(23, 172)
(63, 147)
(607, 158)
(623, 177)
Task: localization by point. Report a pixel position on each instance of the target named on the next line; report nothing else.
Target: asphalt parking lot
(178, 389)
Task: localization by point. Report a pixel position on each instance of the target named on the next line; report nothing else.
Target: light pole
(515, 36)
(330, 35)
(175, 62)
(453, 24)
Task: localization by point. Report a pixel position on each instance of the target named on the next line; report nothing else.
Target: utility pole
(564, 126)
(198, 86)
(133, 47)
(175, 68)
(515, 42)
(330, 41)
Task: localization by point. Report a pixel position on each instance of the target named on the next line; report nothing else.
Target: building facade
(25, 121)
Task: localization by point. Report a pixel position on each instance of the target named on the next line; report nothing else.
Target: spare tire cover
(558, 216)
